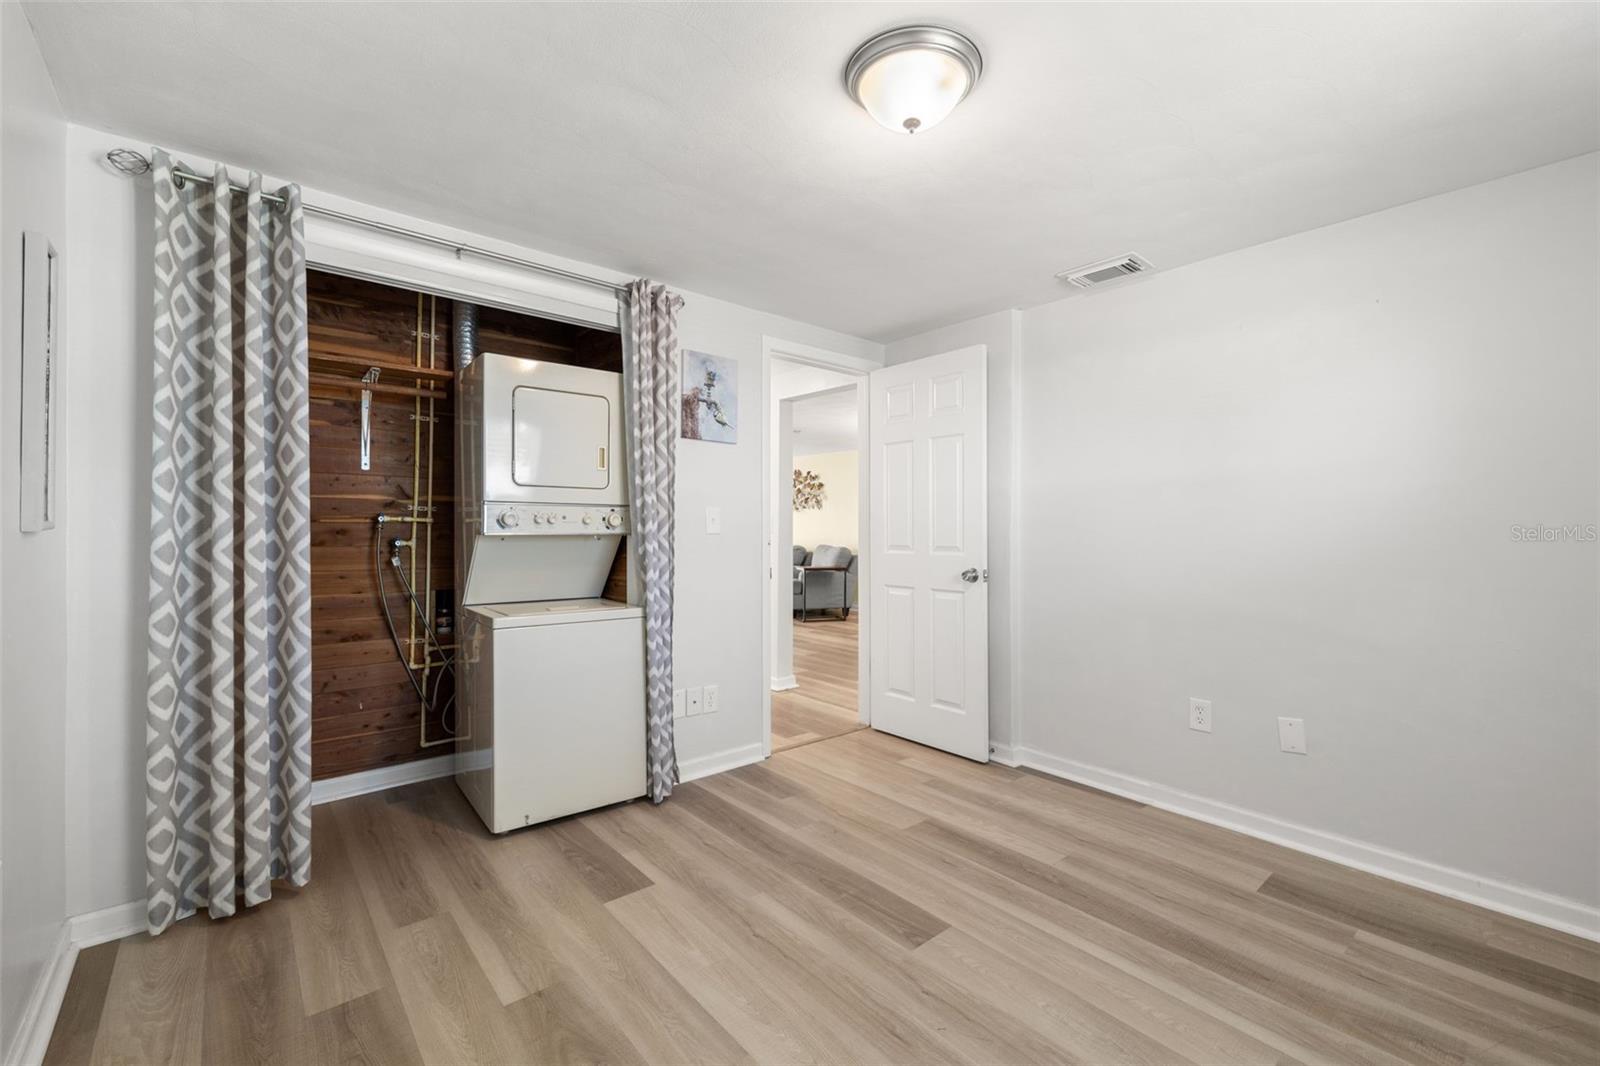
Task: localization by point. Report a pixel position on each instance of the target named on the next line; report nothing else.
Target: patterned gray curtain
(653, 409)
(228, 776)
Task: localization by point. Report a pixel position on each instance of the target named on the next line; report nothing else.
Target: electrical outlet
(1199, 714)
(1292, 735)
(679, 704)
(695, 699)
(712, 698)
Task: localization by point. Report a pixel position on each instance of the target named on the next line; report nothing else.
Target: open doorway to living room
(826, 575)
(817, 546)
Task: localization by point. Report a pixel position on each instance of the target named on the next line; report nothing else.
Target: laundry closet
(403, 502)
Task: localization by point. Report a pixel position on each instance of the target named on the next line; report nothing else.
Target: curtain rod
(134, 163)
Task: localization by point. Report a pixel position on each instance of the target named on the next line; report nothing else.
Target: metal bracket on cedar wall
(368, 378)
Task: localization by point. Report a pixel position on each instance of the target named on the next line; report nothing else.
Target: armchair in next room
(824, 590)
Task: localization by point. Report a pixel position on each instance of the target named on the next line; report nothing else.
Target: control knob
(613, 520)
(508, 519)
(588, 519)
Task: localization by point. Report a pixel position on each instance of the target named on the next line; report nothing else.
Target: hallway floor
(825, 655)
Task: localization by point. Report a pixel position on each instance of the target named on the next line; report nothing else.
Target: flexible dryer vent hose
(465, 316)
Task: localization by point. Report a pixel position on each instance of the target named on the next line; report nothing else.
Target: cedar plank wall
(364, 711)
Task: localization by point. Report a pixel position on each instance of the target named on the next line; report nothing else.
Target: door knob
(970, 575)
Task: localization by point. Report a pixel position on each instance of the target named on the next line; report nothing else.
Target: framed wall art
(710, 398)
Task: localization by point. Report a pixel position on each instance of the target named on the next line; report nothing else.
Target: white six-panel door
(929, 598)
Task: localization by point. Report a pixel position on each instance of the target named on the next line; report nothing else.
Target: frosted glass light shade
(914, 90)
(910, 79)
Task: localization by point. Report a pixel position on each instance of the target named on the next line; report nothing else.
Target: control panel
(547, 519)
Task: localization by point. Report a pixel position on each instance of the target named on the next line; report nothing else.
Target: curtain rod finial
(128, 161)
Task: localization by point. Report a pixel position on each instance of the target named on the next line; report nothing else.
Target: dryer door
(560, 440)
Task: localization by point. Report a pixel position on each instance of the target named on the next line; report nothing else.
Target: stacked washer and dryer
(550, 674)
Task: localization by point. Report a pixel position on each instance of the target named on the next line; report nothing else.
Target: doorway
(825, 556)
(817, 538)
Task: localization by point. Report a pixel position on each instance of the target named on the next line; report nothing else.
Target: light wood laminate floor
(860, 899)
(824, 704)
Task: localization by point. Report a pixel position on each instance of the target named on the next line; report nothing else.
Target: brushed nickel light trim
(920, 38)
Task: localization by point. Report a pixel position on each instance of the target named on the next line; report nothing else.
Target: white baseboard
(359, 784)
(1518, 901)
(113, 923)
(784, 683)
(1004, 754)
(44, 1002)
(719, 761)
(38, 1019)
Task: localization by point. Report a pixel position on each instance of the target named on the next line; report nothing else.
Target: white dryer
(543, 479)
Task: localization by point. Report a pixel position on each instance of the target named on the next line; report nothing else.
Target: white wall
(719, 586)
(718, 634)
(1000, 333)
(33, 565)
(1286, 479)
(109, 239)
(837, 522)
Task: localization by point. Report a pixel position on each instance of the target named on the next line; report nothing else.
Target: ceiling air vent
(1107, 270)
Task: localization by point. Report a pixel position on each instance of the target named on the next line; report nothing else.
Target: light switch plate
(713, 520)
(695, 701)
(679, 704)
(1292, 735)
(709, 704)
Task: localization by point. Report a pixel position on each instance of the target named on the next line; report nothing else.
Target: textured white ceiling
(826, 423)
(711, 144)
(795, 379)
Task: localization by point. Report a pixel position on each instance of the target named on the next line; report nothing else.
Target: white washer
(554, 722)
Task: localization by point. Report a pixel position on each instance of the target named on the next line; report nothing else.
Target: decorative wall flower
(809, 492)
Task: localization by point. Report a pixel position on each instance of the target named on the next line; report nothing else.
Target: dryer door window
(560, 440)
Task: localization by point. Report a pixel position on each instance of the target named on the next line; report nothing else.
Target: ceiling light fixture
(911, 78)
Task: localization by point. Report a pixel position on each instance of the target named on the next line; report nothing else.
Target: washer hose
(446, 660)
